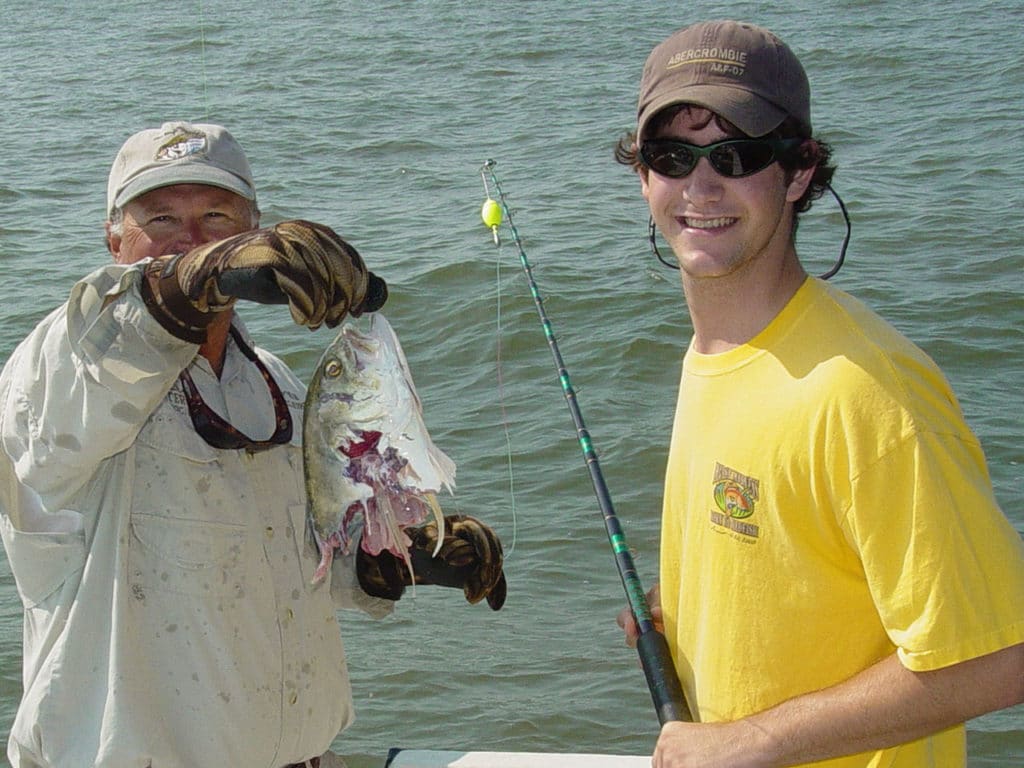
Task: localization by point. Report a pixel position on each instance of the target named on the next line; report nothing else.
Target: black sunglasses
(732, 158)
(216, 431)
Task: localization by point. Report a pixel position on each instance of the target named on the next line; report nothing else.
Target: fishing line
(498, 373)
(202, 57)
(666, 691)
(501, 400)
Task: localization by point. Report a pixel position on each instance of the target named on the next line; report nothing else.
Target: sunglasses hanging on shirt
(221, 434)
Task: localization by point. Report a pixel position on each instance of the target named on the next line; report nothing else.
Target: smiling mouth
(708, 223)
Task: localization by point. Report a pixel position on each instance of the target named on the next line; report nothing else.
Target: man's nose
(190, 236)
(703, 182)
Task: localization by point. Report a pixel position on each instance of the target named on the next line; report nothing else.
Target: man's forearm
(887, 704)
(883, 706)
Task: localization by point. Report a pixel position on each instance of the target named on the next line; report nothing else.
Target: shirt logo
(736, 497)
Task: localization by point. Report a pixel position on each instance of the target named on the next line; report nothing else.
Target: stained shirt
(169, 615)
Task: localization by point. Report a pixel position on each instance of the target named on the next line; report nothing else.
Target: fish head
(345, 392)
(361, 392)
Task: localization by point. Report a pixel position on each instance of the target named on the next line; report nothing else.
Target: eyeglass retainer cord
(652, 232)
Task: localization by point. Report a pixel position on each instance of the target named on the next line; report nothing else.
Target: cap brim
(747, 111)
(186, 173)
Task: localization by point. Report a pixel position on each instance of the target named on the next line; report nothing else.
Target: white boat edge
(428, 758)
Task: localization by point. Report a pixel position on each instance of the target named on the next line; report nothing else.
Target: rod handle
(666, 691)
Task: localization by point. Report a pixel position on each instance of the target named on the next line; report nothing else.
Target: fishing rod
(666, 691)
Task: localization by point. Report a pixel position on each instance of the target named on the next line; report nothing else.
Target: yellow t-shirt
(825, 506)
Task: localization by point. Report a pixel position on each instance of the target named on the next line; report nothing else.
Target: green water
(375, 118)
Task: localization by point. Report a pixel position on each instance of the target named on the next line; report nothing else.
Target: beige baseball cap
(178, 153)
(737, 70)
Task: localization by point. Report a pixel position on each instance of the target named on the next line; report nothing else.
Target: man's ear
(799, 182)
(113, 241)
(801, 178)
(642, 172)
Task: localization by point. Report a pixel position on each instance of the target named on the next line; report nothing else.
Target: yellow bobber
(491, 213)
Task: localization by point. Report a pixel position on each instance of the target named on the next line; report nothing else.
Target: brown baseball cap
(179, 153)
(737, 70)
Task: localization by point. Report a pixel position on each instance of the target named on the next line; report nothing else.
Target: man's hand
(626, 620)
(470, 559)
(306, 265)
(710, 745)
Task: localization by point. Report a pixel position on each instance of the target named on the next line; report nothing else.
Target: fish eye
(333, 369)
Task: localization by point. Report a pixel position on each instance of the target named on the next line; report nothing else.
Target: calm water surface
(375, 118)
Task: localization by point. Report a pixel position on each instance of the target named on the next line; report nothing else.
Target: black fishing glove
(305, 265)
(470, 559)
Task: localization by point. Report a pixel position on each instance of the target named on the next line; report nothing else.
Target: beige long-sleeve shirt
(169, 615)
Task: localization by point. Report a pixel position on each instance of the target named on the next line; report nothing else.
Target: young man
(837, 581)
(152, 503)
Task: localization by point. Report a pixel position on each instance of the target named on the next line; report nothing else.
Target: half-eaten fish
(366, 450)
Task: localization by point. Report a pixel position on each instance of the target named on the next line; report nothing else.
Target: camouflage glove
(320, 276)
(470, 559)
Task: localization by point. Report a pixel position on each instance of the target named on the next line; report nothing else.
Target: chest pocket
(188, 531)
(186, 556)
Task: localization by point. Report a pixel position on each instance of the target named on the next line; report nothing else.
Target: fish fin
(387, 337)
(326, 558)
(397, 542)
(431, 500)
(326, 549)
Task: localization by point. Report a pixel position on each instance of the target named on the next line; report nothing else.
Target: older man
(152, 503)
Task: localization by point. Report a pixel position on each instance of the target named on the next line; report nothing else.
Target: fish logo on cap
(182, 145)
